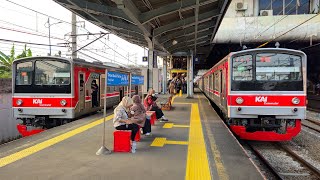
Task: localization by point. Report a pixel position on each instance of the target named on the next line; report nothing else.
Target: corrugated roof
(191, 23)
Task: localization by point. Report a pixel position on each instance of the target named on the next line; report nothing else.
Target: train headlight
(239, 100)
(63, 102)
(19, 102)
(295, 100)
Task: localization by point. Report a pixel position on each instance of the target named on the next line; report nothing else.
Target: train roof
(97, 64)
(253, 50)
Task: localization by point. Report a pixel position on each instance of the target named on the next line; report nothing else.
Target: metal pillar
(130, 85)
(164, 76)
(73, 36)
(190, 76)
(104, 150)
(150, 69)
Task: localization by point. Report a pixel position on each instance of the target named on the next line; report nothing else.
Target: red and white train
(49, 91)
(260, 92)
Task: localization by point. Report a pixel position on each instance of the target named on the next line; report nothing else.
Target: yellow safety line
(167, 125)
(171, 125)
(160, 142)
(181, 126)
(177, 142)
(216, 153)
(38, 147)
(197, 159)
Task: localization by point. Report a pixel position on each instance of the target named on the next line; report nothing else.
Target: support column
(190, 76)
(74, 36)
(164, 75)
(150, 63)
(150, 69)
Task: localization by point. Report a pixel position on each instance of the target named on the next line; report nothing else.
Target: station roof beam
(155, 23)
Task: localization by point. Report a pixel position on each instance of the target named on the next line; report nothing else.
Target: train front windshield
(267, 72)
(43, 76)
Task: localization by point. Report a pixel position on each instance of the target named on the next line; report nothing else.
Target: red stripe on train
(266, 100)
(42, 102)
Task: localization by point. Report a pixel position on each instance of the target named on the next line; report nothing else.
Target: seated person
(151, 105)
(121, 120)
(139, 115)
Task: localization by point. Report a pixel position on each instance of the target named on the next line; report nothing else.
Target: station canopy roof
(173, 26)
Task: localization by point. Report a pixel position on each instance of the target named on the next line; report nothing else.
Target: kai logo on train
(264, 99)
(261, 99)
(37, 101)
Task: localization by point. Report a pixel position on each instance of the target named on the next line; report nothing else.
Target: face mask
(132, 112)
(153, 94)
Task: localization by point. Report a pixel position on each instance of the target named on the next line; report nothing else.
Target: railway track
(282, 162)
(312, 124)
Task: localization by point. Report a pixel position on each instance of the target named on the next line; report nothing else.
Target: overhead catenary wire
(38, 12)
(288, 31)
(279, 20)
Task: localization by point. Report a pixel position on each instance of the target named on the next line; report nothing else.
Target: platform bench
(166, 105)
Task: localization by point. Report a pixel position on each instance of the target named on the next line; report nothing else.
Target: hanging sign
(137, 80)
(116, 79)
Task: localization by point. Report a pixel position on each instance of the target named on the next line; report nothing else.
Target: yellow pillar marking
(181, 126)
(177, 142)
(180, 93)
(160, 142)
(216, 153)
(38, 147)
(167, 125)
(197, 159)
(173, 98)
(171, 125)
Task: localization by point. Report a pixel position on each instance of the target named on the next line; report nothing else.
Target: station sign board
(115, 79)
(137, 80)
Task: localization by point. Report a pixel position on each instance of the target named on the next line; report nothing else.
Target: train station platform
(194, 144)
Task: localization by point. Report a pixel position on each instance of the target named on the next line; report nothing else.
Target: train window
(278, 67)
(24, 73)
(284, 7)
(51, 72)
(242, 68)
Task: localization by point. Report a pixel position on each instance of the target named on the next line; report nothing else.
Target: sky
(21, 24)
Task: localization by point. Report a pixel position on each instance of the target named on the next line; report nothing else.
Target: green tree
(6, 61)
(25, 53)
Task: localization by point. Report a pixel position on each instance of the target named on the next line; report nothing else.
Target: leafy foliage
(6, 61)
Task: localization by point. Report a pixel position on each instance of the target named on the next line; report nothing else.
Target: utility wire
(61, 21)
(288, 31)
(23, 42)
(34, 34)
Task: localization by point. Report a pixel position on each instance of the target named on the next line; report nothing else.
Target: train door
(81, 92)
(121, 90)
(95, 90)
(136, 90)
(223, 99)
(102, 86)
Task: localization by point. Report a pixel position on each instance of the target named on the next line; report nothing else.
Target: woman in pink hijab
(139, 115)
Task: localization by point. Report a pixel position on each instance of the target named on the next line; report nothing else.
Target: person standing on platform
(95, 90)
(184, 86)
(171, 88)
(121, 120)
(151, 105)
(139, 115)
